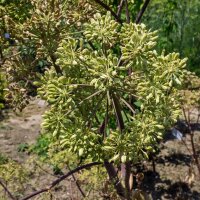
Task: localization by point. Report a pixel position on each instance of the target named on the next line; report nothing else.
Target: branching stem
(57, 181)
(106, 7)
(140, 14)
(77, 184)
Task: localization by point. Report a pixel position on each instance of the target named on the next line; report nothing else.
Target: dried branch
(191, 132)
(77, 184)
(140, 14)
(57, 181)
(109, 9)
(7, 191)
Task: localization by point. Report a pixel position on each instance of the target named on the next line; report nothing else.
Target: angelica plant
(116, 95)
(111, 94)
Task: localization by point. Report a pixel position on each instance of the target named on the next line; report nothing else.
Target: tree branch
(140, 14)
(57, 181)
(109, 9)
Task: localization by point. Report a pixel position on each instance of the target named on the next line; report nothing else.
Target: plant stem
(77, 184)
(127, 178)
(120, 8)
(140, 14)
(57, 67)
(118, 113)
(57, 181)
(195, 156)
(109, 9)
(115, 179)
(194, 152)
(127, 12)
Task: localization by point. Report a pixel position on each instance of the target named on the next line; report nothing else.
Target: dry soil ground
(175, 176)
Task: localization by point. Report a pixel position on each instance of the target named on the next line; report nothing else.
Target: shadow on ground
(164, 189)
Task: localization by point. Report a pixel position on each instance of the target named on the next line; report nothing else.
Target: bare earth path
(18, 128)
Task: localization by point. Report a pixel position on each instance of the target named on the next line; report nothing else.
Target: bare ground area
(176, 176)
(18, 128)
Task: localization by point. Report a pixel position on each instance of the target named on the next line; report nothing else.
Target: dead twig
(57, 181)
(7, 190)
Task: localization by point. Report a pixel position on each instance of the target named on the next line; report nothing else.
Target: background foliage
(179, 28)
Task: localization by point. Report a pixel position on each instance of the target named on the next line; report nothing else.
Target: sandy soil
(19, 128)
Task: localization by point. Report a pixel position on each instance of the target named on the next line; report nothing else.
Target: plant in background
(179, 30)
(12, 62)
(29, 38)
